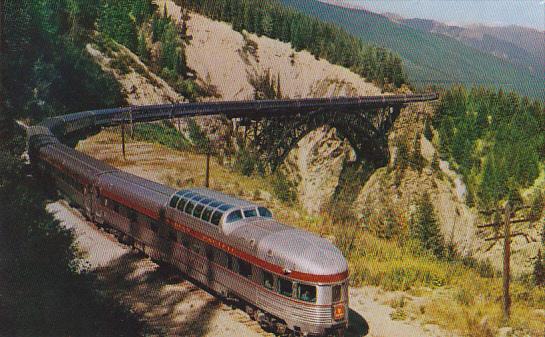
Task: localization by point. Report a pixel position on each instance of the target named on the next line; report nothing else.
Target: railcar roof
(290, 247)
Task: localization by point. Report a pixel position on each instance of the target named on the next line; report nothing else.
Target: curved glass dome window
(197, 198)
(174, 201)
(264, 212)
(214, 204)
(189, 195)
(234, 216)
(225, 207)
(206, 201)
(182, 192)
(250, 213)
(216, 218)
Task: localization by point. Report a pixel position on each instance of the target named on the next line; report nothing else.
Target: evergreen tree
(425, 227)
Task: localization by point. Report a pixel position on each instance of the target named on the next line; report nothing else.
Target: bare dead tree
(508, 213)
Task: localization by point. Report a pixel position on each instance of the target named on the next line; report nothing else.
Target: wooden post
(207, 176)
(507, 263)
(123, 138)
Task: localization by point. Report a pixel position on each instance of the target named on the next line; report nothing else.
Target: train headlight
(338, 312)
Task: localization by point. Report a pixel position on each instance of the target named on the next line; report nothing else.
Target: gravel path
(173, 306)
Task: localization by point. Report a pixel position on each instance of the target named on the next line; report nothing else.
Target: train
(289, 280)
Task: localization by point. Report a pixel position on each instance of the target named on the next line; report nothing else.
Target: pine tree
(425, 227)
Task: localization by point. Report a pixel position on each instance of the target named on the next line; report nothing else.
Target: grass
(457, 296)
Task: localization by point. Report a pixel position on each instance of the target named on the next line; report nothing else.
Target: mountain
(523, 47)
(429, 58)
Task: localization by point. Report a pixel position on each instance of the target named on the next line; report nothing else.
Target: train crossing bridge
(364, 121)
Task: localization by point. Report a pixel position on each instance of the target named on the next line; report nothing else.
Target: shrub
(198, 136)
(245, 162)
(161, 133)
(283, 189)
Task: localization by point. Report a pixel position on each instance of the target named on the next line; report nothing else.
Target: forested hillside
(429, 59)
(495, 140)
(45, 71)
(272, 19)
(45, 289)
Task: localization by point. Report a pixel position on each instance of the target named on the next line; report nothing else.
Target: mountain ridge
(430, 58)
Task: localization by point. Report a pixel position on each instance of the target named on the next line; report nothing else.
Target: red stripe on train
(294, 275)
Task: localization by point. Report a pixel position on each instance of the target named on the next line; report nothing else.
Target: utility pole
(207, 176)
(507, 263)
(4, 125)
(123, 138)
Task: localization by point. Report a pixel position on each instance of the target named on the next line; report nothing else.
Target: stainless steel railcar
(288, 278)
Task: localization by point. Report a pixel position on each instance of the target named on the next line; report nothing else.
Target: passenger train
(289, 280)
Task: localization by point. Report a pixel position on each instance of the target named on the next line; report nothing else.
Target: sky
(527, 13)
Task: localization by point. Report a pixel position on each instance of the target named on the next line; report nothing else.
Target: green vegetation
(430, 59)
(283, 189)
(495, 140)
(272, 19)
(46, 70)
(161, 133)
(45, 287)
(424, 227)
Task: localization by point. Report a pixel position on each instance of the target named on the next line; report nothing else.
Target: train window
(189, 207)
(182, 192)
(189, 195)
(285, 287)
(198, 211)
(172, 235)
(264, 212)
(268, 280)
(336, 293)
(214, 204)
(234, 216)
(250, 213)
(230, 262)
(216, 218)
(306, 293)
(210, 253)
(182, 204)
(244, 268)
(206, 201)
(195, 247)
(206, 214)
(133, 216)
(197, 198)
(225, 207)
(174, 201)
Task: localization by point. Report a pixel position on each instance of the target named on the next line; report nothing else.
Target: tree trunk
(507, 263)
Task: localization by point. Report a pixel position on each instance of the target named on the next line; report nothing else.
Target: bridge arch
(365, 130)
